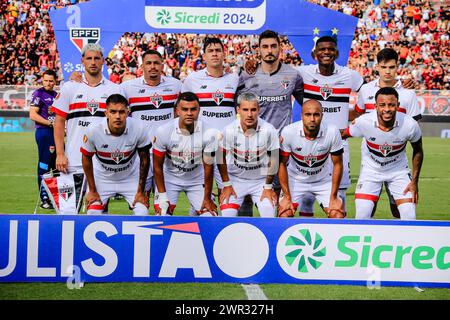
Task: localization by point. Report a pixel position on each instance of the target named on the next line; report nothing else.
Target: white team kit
(152, 105)
(247, 159)
(217, 100)
(183, 163)
(116, 170)
(81, 105)
(333, 92)
(383, 156)
(216, 96)
(309, 171)
(407, 99)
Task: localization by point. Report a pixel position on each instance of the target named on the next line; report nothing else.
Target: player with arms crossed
(41, 101)
(310, 144)
(183, 159)
(77, 106)
(118, 142)
(250, 149)
(386, 133)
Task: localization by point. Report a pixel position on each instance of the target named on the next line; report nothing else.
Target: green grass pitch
(18, 189)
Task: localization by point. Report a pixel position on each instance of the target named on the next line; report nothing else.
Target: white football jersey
(81, 105)
(117, 158)
(309, 158)
(153, 105)
(216, 96)
(183, 164)
(333, 92)
(407, 98)
(248, 156)
(385, 151)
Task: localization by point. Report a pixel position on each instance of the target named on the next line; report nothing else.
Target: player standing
(215, 89)
(250, 160)
(309, 144)
(152, 97)
(117, 142)
(76, 107)
(386, 133)
(183, 159)
(331, 84)
(387, 66)
(41, 101)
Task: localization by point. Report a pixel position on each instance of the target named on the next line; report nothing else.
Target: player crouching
(250, 149)
(117, 142)
(386, 133)
(183, 159)
(309, 144)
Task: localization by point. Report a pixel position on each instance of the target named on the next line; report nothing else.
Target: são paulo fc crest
(285, 84)
(187, 157)
(310, 160)
(156, 100)
(326, 92)
(385, 149)
(82, 36)
(218, 97)
(92, 107)
(117, 156)
(65, 191)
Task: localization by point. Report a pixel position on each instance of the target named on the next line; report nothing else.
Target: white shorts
(108, 189)
(242, 188)
(194, 193)
(370, 183)
(303, 195)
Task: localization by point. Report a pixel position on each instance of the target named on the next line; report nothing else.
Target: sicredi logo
(208, 14)
(299, 251)
(318, 252)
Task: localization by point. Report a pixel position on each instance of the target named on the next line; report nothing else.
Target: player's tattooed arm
(417, 160)
(144, 166)
(88, 168)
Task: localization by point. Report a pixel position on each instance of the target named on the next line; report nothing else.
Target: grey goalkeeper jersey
(274, 91)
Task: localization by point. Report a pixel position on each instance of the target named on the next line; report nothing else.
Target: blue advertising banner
(104, 21)
(238, 250)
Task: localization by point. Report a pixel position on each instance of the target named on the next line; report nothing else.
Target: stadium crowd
(418, 30)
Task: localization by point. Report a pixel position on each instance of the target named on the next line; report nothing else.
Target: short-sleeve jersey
(43, 100)
(332, 91)
(385, 151)
(309, 158)
(247, 155)
(275, 91)
(216, 95)
(183, 152)
(81, 105)
(117, 156)
(407, 98)
(153, 105)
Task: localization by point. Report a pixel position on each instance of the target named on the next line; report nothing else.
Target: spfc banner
(82, 36)
(65, 190)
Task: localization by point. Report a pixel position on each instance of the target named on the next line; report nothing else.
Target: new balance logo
(203, 87)
(142, 91)
(371, 97)
(372, 139)
(80, 96)
(104, 146)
